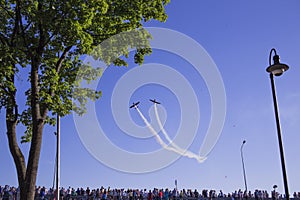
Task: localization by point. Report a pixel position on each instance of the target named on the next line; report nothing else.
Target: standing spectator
(87, 191)
(150, 195)
(98, 194)
(249, 194)
(5, 193)
(295, 195)
(78, 192)
(73, 193)
(1, 191)
(141, 194)
(123, 194)
(174, 194)
(220, 195)
(145, 194)
(62, 193)
(166, 194)
(235, 195)
(256, 195)
(130, 194)
(104, 195)
(42, 193)
(134, 194)
(160, 194)
(205, 193)
(274, 195)
(69, 193)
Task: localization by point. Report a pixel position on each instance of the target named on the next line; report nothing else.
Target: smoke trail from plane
(181, 151)
(173, 147)
(162, 128)
(158, 138)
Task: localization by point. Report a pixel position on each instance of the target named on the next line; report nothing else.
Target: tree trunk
(37, 132)
(11, 124)
(33, 161)
(26, 174)
(16, 154)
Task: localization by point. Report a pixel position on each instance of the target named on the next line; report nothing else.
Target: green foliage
(50, 36)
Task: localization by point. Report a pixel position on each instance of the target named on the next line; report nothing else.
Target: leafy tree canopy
(48, 37)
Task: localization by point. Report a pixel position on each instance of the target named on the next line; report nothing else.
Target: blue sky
(238, 36)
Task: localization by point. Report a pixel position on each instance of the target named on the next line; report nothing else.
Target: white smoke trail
(158, 138)
(181, 151)
(162, 128)
(173, 147)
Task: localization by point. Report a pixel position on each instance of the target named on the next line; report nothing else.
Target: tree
(47, 38)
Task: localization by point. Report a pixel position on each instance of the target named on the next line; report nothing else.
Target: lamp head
(277, 68)
(244, 141)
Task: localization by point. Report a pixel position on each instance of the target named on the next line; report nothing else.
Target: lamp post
(58, 157)
(244, 172)
(278, 69)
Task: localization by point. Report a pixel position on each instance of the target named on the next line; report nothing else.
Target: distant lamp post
(278, 69)
(244, 172)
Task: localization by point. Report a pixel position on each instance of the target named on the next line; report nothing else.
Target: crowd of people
(12, 193)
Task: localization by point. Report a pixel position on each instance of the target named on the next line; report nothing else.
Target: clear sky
(238, 36)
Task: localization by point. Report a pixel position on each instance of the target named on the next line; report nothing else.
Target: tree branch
(16, 27)
(62, 58)
(16, 113)
(40, 48)
(58, 68)
(23, 30)
(4, 89)
(4, 8)
(12, 98)
(3, 39)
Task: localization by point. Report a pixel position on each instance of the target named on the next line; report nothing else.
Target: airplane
(134, 105)
(154, 101)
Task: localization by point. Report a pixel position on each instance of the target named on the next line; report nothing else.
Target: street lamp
(278, 69)
(58, 157)
(244, 172)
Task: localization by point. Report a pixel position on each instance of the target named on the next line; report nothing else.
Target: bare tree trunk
(33, 161)
(16, 154)
(11, 124)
